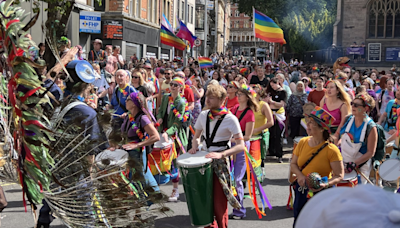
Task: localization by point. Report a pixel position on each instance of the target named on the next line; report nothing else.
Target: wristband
(239, 138)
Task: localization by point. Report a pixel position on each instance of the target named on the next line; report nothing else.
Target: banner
(355, 51)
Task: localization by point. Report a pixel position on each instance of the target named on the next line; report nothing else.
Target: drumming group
(214, 128)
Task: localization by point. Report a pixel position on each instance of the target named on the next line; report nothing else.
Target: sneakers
(174, 195)
(280, 160)
(232, 216)
(285, 141)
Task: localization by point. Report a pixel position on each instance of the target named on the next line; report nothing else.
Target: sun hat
(322, 117)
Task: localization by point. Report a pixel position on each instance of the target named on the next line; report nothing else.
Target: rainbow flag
(168, 38)
(266, 29)
(205, 62)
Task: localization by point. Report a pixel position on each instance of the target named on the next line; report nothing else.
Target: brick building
(242, 40)
(374, 26)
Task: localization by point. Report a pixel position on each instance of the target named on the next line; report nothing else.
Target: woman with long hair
(354, 80)
(244, 111)
(336, 103)
(263, 121)
(172, 113)
(276, 97)
(198, 93)
(111, 62)
(327, 162)
(294, 109)
(386, 94)
(138, 82)
(359, 136)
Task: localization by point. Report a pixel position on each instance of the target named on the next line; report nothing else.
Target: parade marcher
(386, 94)
(294, 109)
(171, 115)
(138, 81)
(218, 126)
(390, 114)
(259, 78)
(359, 136)
(343, 78)
(315, 154)
(102, 85)
(263, 121)
(118, 100)
(316, 95)
(97, 55)
(244, 111)
(111, 61)
(232, 99)
(198, 92)
(118, 56)
(276, 97)
(281, 80)
(306, 82)
(336, 103)
(140, 131)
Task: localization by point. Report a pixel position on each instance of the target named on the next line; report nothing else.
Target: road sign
(197, 42)
(90, 22)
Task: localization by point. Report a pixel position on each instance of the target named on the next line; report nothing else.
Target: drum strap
(313, 156)
(241, 116)
(208, 139)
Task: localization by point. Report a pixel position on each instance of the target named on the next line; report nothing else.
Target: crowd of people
(240, 106)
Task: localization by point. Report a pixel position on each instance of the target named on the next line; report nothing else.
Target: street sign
(197, 42)
(90, 22)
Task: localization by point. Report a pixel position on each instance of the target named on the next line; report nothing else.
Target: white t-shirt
(228, 128)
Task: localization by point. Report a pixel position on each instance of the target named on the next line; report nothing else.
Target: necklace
(136, 129)
(217, 112)
(183, 117)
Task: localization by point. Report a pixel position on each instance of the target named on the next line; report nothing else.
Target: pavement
(275, 186)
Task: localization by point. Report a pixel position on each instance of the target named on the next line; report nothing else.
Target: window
(191, 14)
(246, 24)
(137, 8)
(131, 10)
(236, 24)
(384, 19)
(237, 13)
(183, 11)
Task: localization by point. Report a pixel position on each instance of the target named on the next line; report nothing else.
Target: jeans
(150, 181)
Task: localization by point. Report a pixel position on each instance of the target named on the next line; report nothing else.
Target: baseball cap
(364, 206)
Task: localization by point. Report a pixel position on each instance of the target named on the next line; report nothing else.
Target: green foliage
(307, 25)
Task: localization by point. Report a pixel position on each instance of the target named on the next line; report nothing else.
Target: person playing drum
(217, 126)
(327, 159)
(171, 114)
(263, 120)
(359, 136)
(140, 132)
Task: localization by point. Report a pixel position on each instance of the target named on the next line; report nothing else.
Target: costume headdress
(249, 90)
(322, 118)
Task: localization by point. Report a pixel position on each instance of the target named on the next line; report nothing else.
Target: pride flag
(168, 38)
(184, 33)
(266, 29)
(166, 23)
(205, 62)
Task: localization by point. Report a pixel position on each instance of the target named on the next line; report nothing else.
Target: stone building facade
(370, 24)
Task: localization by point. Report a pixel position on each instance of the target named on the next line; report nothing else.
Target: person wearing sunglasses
(359, 136)
(137, 82)
(232, 99)
(171, 116)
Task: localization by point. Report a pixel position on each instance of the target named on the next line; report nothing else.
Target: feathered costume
(53, 152)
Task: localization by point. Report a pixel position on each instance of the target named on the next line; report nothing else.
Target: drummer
(140, 132)
(263, 120)
(390, 114)
(171, 114)
(327, 160)
(361, 137)
(223, 126)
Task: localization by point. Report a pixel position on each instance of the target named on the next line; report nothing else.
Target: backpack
(380, 146)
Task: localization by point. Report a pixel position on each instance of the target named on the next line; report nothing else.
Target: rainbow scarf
(217, 112)
(122, 90)
(395, 106)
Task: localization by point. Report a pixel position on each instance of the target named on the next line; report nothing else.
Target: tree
(307, 25)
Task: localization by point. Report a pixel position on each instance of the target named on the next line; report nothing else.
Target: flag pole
(254, 32)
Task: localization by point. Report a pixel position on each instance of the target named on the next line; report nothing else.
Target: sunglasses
(347, 72)
(168, 73)
(304, 80)
(174, 85)
(231, 86)
(135, 77)
(357, 105)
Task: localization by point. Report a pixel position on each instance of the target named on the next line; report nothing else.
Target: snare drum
(197, 178)
(349, 180)
(389, 170)
(389, 148)
(160, 158)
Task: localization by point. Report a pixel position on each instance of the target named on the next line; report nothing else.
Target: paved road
(275, 186)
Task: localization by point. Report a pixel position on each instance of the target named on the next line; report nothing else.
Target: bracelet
(223, 154)
(239, 138)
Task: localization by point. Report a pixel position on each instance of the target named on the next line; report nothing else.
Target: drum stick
(363, 175)
(116, 115)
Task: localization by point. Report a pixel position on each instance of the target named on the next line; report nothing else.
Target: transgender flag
(166, 23)
(185, 34)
